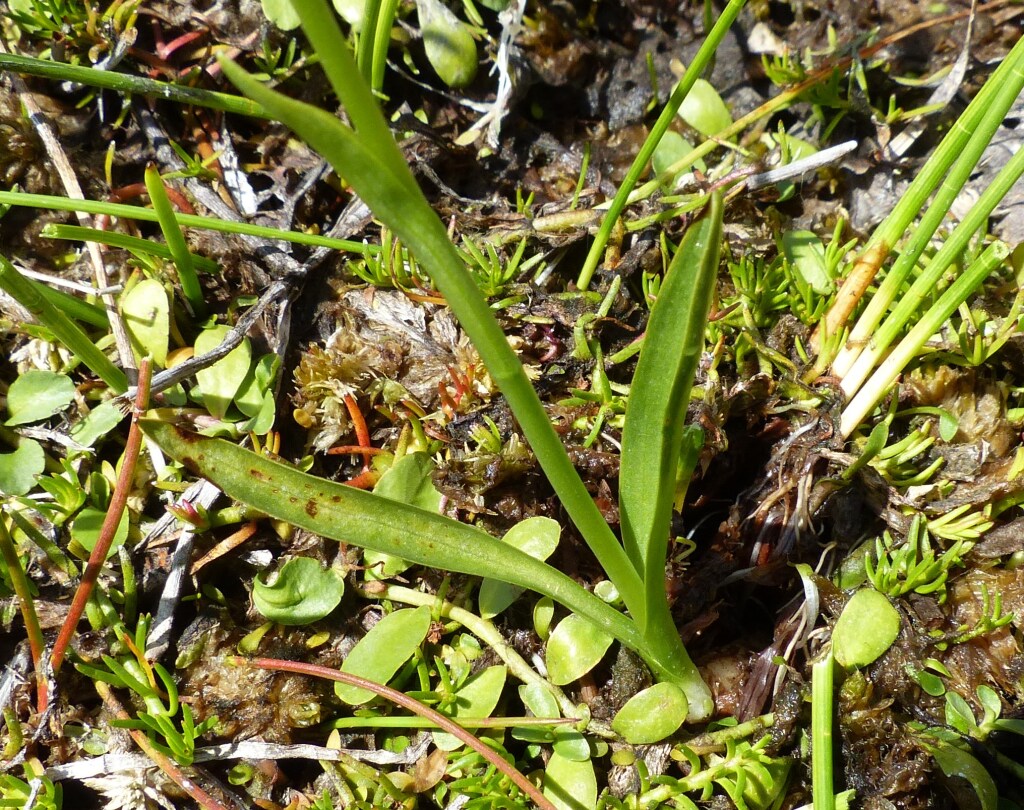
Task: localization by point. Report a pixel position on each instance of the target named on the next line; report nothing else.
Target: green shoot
(643, 158)
(883, 378)
(132, 85)
(964, 144)
(186, 220)
(190, 286)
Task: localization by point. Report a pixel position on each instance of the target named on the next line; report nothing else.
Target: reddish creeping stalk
(362, 431)
(109, 528)
(403, 700)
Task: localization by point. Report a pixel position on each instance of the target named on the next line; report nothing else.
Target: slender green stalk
(367, 39)
(693, 72)
(23, 589)
(63, 328)
(175, 239)
(962, 144)
(187, 220)
(123, 83)
(372, 163)
(133, 244)
(881, 381)
(381, 41)
(52, 551)
(881, 337)
(822, 789)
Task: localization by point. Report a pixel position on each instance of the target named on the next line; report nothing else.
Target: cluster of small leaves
(76, 29)
(167, 721)
(799, 281)
(744, 772)
(913, 566)
(40, 792)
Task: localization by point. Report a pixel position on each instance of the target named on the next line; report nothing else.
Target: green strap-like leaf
(373, 165)
(350, 515)
(658, 396)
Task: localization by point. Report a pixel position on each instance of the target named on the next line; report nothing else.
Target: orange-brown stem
(110, 523)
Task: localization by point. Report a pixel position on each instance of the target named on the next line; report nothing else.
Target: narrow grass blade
(367, 39)
(176, 244)
(693, 72)
(320, 25)
(350, 515)
(375, 169)
(123, 83)
(660, 393)
(73, 307)
(186, 220)
(63, 328)
(965, 143)
(880, 382)
(880, 338)
(132, 244)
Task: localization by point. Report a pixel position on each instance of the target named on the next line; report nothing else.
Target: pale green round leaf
(575, 647)
(85, 529)
(651, 715)
(539, 700)
(569, 743)
(448, 43)
(100, 421)
(302, 592)
(476, 698)
(281, 13)
(351, 11)
(38, 395)
(543, 615)
(672, 148)
(704, 110)
(806, 254)
(220, 382)
(379, 654)
(570, 784)
(147, 317)
(866, 628)
(536, 536)
(18, 470)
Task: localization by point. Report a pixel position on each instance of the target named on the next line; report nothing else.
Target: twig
(247, 749)
(202, 494)
(109, 528)
(230, 543)
(403, 700)
(74, 190)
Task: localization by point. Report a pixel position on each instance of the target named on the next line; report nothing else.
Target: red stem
(412, 705)
(359, 423)
(110, 523)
